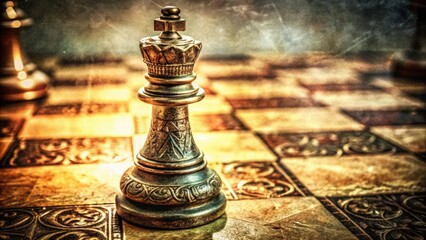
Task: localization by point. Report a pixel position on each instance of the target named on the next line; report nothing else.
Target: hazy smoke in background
(75, 27)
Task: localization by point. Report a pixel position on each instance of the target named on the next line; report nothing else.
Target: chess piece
(170, 185)
(412, 63)
(19, 77)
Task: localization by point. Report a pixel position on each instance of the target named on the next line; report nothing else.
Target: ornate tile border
(61, 222)
(35, 152)
(257, 180)
(328, 144)
(390, 216)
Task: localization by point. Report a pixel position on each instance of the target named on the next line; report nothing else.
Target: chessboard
(309, 146)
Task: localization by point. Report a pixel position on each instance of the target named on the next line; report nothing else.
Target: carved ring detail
(169, 194)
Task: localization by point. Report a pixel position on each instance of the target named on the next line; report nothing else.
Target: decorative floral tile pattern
(62, 222)
(393, 216)
(33, 152)
(328, 144)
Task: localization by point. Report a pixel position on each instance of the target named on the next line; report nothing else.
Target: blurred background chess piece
(19, 77)
(412, 62)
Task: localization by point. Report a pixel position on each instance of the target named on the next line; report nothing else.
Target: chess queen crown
(170, 54)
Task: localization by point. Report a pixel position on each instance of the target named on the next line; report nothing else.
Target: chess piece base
(411, 64)
(23, 86)
(170, 217)
(170, 201)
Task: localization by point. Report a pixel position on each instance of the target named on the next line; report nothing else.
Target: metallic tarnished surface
(170, 186)
(294, 165)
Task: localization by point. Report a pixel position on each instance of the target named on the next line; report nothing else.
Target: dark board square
(276, 102)
(36, 152)
(233, 58)
(339, 87)
(328, 144)
(389, 117)
(95, 81)
(218, 122)
(253, 180)
(422, 156)
(59, 109)
(389, 216)
(82, 108)
(61, 222)
(421, 96)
